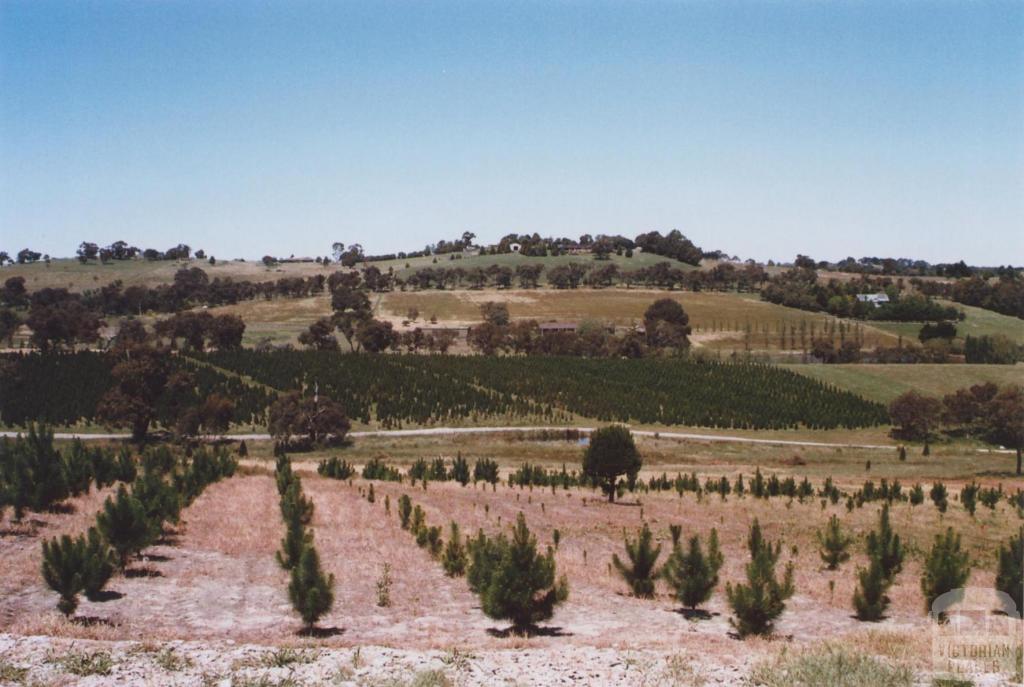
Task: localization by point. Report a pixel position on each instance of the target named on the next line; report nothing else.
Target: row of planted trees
(129, 521)
(691, 571)
(310, 590)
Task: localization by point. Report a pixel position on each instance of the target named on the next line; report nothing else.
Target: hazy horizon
(764, 130)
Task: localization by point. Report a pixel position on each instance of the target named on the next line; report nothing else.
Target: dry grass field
(719, 320)
(214, 578)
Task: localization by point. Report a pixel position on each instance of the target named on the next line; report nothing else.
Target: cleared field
(215, 578)
(979, 322)
(74, 276)
(885, 382)
(720, 320)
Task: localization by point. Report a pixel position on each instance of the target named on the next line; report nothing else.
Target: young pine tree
(310, 591)
(454, 559)
(124, 525)
(692, 573)
(834, 544)
(521, 585)
(1010, 572)
(947, 567)
(869, 598)
(98, 564)
(916, 495)
(969, 497)
(296, 539)
(885, 545)
(62, 570)
(762, 599)
(460, 470)
(939, 496)
(642, 570)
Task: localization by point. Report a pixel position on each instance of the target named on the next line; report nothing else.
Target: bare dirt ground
(212, 593)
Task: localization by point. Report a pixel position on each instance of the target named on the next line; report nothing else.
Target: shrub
(1010, 571)
(869, 598)
(522, 586)
(641, 571)
(454, 559)
(834, 544)
(384, 586)
(310, 591)
(762, 599)
(691, 573)
(124, 525)
(832, 665)
(916, 495)
(947, 567)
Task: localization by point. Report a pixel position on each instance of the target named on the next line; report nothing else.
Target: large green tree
(611, 454)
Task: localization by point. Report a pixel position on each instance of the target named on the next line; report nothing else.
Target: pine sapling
(454, 559)
(641, 571)
(404, 510)
(885, 545)
(124, 525)
(310, 590)
(1010, 572)
(98, 564)
(939, 496)
(762, 599)
(692, 573)
(522, 586)
(834, 544)
(946, 568)
(62, 570)
(869, 598)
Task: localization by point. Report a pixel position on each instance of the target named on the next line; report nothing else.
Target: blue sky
(764, 129)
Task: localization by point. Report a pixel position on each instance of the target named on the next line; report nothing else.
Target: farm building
(875, 299)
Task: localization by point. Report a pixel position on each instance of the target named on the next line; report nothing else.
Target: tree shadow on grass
(142, 572)
(106, 595)
(696, 613)
(155, 558)
(62, 508)
(531, 631)
(321, 632)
